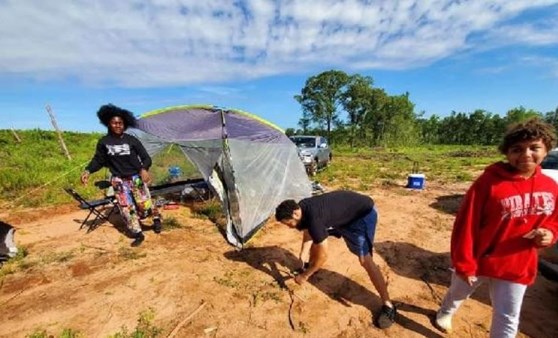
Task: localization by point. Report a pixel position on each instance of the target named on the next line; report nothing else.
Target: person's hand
(541, 237)
(84, 177)
(145, 177)
(301, 278)
(470, 280)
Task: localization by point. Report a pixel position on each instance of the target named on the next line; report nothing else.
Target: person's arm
(465, 233)
(97, 162)
(145, 160)
(143, 156)
(546, 234)
(304, 255)
(318, 257)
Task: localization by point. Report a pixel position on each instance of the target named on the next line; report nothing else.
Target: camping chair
(94, 206)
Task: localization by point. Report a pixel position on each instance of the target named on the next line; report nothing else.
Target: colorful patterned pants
(134, 201)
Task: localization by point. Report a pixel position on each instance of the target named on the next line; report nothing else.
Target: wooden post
(55, 125)
(16, 136)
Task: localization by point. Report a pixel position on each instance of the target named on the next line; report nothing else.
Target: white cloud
(548, 63)
(543, 34)
(155, 43)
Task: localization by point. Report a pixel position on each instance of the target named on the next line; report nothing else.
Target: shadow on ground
(448, 204)
(432, 268)
(278, 263)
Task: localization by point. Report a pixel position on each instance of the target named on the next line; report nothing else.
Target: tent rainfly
(250, 163)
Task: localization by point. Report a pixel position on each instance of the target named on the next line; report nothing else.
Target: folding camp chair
(95, 207)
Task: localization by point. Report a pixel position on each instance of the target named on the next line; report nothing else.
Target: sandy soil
(199, 286)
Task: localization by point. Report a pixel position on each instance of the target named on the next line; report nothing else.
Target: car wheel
(313, 169)
(328, 161)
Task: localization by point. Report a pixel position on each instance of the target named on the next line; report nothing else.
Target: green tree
(399, 121)
(290, 131)
(552, 118)
(429, 129)
(321, 99)
(358, 101)
(519, 114)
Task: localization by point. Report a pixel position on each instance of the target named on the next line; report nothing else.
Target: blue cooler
(174, 173)
(416, 181)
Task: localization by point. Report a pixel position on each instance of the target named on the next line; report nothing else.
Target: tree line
(348, 109)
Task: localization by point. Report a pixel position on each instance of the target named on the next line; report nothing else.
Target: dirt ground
(197, 285)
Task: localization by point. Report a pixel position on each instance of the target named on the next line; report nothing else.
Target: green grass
(33, 172)
(362, 168)
(66, 333)
(170, 223)
(15, 264)
(144, 327)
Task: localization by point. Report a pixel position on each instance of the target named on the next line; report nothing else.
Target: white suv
(550, 164)
(314, 152)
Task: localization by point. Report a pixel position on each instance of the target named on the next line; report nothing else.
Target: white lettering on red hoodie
(497, 211)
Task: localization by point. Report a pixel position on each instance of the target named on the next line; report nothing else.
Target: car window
(550, 161)
(306, 142)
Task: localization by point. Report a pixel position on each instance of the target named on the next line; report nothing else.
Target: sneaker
(443, 321)
(139, 237)
(386, 317)
(157, 226)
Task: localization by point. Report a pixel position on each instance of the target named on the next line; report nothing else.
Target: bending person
(128, 162)
(344, 214)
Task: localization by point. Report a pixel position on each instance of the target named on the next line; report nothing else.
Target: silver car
(314, 152)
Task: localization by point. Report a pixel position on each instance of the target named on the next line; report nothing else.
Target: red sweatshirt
(499, 208)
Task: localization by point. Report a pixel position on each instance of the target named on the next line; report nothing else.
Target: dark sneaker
(304, 267)
(157, 226)
(386, 317)
(139, 237)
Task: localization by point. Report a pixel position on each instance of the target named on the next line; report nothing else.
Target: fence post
(16, 136)
(55, 125)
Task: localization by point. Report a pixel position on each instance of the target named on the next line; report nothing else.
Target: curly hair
(108, 111)
(284, 211)
(528, 130)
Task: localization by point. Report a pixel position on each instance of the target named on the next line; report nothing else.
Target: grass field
(34, 171)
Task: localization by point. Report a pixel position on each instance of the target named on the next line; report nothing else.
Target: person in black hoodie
(128, 162)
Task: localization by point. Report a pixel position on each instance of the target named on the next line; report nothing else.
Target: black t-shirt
(124, 156)
(332, 210)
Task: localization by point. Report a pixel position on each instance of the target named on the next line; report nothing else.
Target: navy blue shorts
(359, 236)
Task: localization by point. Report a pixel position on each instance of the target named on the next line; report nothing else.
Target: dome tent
(250, 163)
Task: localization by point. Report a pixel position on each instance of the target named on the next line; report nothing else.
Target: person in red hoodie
(506, 216)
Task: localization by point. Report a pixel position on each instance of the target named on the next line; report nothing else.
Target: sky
(256, 55)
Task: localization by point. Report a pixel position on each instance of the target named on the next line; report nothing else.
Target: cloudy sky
(255, 55)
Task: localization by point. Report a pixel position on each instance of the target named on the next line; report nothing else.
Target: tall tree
(399, 121)
(552, 118)
(358, 101)
(321, 97)
(519, 114)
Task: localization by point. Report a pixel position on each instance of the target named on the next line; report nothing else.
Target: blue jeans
(359, 236)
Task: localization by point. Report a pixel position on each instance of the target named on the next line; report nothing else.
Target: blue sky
(255, 55)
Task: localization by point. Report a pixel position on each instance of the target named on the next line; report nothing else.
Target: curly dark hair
(284, 211)
(529, 130)
(108, 111)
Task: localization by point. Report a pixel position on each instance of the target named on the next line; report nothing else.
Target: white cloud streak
(146, 43)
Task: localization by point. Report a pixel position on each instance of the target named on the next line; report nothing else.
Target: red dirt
(96, 284)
